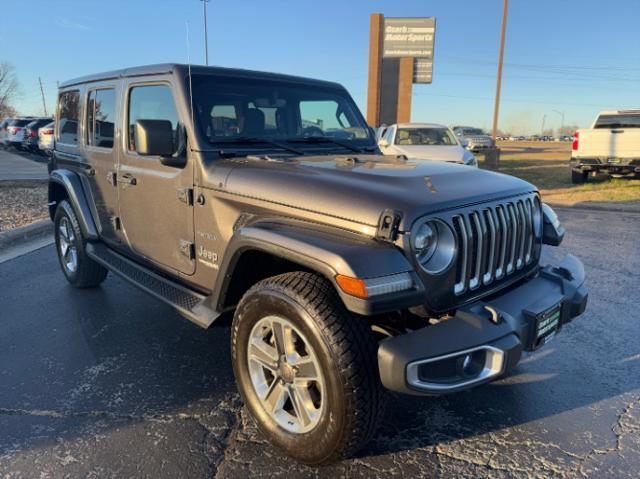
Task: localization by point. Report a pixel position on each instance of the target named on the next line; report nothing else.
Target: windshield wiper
(248, 140)
(328, 139)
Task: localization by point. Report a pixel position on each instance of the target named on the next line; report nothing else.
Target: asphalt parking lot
(111, 383)
(20, 165)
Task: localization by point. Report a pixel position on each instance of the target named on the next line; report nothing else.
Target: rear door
(99, 139)
(155, 201)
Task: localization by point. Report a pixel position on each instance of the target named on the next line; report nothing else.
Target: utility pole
(496, 109)
(561, 113)
(206, 38)
(544, 118)
(44, 104)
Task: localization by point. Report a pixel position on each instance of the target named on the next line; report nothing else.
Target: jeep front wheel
(306, 369)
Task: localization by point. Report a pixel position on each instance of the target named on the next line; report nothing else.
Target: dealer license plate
(547, 324)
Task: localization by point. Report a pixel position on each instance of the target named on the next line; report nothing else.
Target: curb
(24, 233)
(597, 207)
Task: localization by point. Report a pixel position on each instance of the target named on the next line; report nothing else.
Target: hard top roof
(182, 69)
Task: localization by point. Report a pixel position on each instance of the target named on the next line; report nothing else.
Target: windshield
(232, 110)
(618, 121)
(425, 136)
(472, 131)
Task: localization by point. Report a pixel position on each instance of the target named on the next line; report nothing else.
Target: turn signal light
(366, 288)
(353, 286)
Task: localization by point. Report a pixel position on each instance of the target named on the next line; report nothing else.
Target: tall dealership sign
(400, 54)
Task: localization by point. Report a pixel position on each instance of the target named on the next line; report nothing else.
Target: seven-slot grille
(495, 241)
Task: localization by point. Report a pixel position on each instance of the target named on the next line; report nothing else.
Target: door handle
(127, 179)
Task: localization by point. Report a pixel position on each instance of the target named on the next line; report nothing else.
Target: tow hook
(496, 318)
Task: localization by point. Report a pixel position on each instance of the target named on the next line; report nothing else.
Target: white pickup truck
(611, 145)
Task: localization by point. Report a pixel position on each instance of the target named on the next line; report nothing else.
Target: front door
(154, 200)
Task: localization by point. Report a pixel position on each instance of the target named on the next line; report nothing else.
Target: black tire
(87, 273)
(346, 351)
(578, 177)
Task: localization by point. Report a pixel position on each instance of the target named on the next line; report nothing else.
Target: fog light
(471, 364)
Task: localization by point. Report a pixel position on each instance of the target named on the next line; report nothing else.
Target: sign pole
(496, 109)
(375, 69)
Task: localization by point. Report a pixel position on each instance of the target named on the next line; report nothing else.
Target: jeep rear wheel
(306, 369)
(80, 270)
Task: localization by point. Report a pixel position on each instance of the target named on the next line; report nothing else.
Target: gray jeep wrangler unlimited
(348, 271)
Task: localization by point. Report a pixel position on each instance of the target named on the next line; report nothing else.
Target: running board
(188, 303)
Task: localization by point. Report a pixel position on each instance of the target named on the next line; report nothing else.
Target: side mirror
(154, 137)
(382, 142)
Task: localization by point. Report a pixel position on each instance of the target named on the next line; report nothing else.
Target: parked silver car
(45, 138)
(473, 139)
(424, 141)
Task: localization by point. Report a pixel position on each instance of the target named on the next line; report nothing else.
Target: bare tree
(8, 88)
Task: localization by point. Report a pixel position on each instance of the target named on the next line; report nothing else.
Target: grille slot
(494, 242)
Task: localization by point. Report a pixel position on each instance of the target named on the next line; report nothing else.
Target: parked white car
(15, 132)
(611, 145)
(45, 138)
(4, 125)
(425, 141)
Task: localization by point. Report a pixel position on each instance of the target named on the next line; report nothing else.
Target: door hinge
(186, 195)
(115, 222)
(388, 225)
(187, 249)
(112, 178)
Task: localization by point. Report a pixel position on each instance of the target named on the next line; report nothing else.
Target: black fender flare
(72, 184)
(327, 251)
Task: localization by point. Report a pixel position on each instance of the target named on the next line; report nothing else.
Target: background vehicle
(425, 141)
(15, 132)
(3, 130)
(474, 139)
(611, 145)
(348, 271)
(30, 135)
(46, 139)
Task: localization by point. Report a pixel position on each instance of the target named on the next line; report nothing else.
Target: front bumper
(485, 339)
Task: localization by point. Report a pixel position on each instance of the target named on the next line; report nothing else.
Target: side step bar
(188, 303)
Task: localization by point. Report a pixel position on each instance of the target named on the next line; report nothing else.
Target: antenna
(193, 125)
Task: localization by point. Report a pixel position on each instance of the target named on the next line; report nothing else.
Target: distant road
(17, 167)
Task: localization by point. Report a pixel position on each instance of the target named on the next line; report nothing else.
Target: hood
(359, 188)
(452, 153)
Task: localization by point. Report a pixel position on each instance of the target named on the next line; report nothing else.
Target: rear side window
(68, 115)
(618, 121)
(151, 102)
(101, 112)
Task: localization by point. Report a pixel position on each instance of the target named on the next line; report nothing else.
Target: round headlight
(425, 242)
(434, 245)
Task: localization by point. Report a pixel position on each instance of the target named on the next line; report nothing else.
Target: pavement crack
(229, 441)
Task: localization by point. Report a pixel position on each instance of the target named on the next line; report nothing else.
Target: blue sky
(576, 57)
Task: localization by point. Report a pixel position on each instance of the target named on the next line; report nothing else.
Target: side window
(101, 112)
(322, 114)
(68, 115)
(152, 102)
(224, 121)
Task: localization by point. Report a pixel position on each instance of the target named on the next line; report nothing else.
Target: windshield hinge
(186, 195)
(388, 225)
